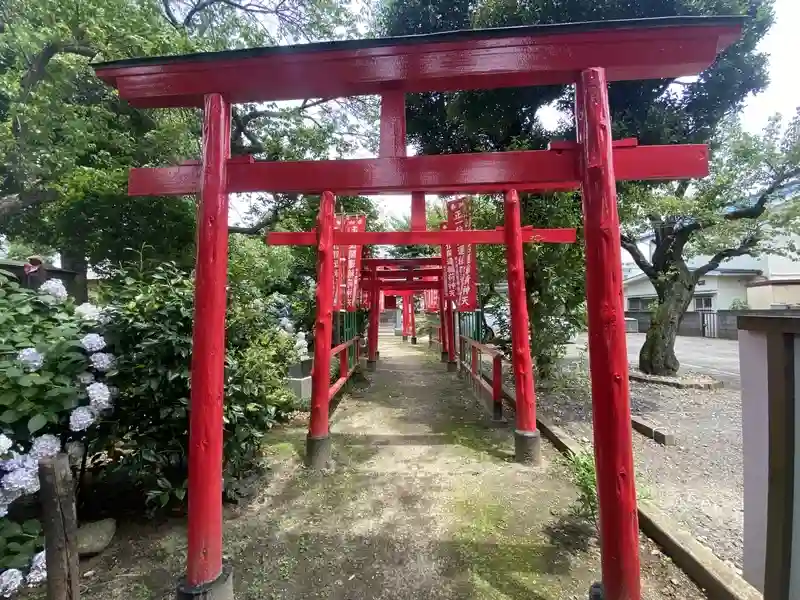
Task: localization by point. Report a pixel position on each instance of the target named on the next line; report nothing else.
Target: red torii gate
(588, 55)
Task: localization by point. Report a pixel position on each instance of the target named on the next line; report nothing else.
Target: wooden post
(204, 553)
(619, 528)
(318, 447)
(527, 442)
(413, 316)
(60, 528)
(374, 322)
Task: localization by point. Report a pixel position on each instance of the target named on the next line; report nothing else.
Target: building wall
(730, 289)
(774, 295)
(759, 297)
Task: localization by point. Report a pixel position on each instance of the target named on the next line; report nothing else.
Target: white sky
(782, 95)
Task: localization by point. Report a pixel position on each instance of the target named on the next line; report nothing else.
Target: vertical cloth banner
(353, 224)
(449, 267)
(465, 294)
(337, 267)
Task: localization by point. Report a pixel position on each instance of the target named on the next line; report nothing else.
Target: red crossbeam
(433, 261)
(426, 238)
(403, 286)
(402, 275)
(515, 57)
(557, 169)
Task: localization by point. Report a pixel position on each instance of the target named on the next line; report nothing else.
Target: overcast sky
(782, 95)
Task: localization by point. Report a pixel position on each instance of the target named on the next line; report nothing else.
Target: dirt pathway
(422, 503)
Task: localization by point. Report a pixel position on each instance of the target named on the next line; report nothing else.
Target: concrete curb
(649, 430)
(696, 560)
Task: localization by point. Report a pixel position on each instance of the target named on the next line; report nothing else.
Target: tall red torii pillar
(587, 54)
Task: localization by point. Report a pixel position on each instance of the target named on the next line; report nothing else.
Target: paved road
(714, 357)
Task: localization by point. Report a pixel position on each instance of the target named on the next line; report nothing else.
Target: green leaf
(9, 416)
(36, 423)
(32, 527)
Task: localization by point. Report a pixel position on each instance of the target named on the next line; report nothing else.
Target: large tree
(654, 111)
(749, 204)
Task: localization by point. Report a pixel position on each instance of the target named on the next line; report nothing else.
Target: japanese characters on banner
(353, 224)
(464, 292)
(337, 268)
(449, 269)
(347, 265)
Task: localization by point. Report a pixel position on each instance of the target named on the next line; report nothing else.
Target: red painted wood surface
(323, 327)
(419, 221)
(430, 238)
(488, 171)
(204, 552)
(649, 51)
(374, 323)
(619, 530)
(413, 314)
(442, 314)
(449, 315)
(393, 125)
(408, 275)
(495, 388)
(520, 343)
(432, 261)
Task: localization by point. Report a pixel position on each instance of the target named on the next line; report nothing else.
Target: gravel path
(421, 503)
(699, 482)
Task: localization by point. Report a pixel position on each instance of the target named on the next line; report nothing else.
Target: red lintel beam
(432, 261)
(513, 57)
(403, 286)
(488, 171)
(425, 238)
(367, 273)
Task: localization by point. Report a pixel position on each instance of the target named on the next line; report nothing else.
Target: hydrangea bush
(51, 392)
(150, 333)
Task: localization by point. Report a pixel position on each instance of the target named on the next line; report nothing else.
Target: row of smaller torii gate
(585, 55)
(408, 276)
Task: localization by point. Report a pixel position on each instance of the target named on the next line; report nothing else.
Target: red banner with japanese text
(465, 294)
(352, 260)
(449, 282)
(338, 270)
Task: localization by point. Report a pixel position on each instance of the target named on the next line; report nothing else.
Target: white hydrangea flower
(31, 359)
(45, 446)
(81, 418)
(38, 571)
(86, 378)
(25, 481)
(10, 581)
(102, 361)
(19, 461)
(99, 396)
(93, 342)
(5, 443)
(286, 325)
(88, 312)
(54, 288)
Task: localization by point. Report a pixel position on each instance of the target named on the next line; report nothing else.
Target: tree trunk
(657, 356)
(78, 287)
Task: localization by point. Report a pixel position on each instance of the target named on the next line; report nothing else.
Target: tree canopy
(655, 111)
(67, 140)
